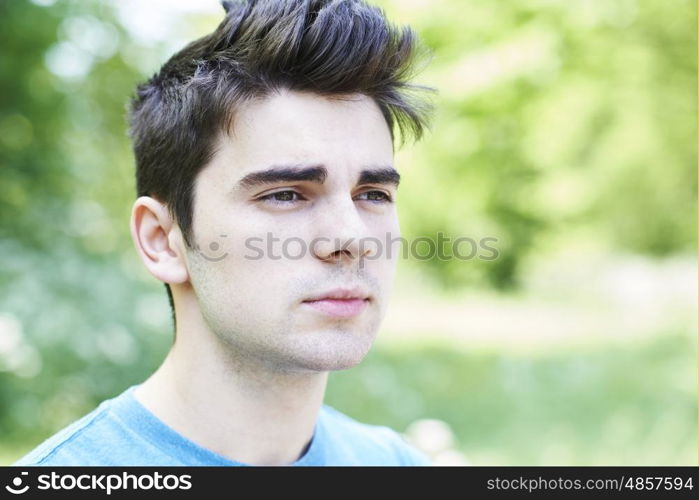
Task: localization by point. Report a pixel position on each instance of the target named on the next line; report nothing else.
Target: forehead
(304, 127)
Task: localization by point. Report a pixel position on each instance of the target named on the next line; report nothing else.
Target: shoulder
(64, 447)
(370, 444)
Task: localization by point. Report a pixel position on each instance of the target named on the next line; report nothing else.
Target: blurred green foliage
(577, 407)
(556, 118)
(558, 121)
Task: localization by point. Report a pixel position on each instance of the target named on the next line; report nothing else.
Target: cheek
(387, 244)
(239, 295)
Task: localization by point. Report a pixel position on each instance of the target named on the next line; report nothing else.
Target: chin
(336, 351)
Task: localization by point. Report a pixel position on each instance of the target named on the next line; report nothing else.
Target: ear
(158, 241)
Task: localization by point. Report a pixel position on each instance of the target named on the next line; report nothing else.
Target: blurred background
(565, 129)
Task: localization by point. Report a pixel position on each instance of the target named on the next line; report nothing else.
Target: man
(267, 189)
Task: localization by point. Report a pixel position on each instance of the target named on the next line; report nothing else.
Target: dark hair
(328, 47)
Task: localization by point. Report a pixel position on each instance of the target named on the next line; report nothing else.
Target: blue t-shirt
(123, 432)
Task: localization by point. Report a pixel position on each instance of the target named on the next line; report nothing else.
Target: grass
(632, 404)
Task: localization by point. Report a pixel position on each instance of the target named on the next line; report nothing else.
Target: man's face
(253, 290)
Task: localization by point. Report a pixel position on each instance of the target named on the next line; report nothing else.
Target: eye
(285, 197)
(376, 197)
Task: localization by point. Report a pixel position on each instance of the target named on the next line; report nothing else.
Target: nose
(341, 234)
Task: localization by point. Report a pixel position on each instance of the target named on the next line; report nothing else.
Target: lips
(340, 302)
(341, 294)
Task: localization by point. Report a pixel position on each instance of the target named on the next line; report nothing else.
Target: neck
(239, 407)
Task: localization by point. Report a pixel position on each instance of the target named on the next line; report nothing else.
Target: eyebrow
(314, 173)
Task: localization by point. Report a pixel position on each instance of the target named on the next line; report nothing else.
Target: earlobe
(151, 231)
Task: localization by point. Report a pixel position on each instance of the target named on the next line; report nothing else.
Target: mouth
(340, 308)
(340, 303)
